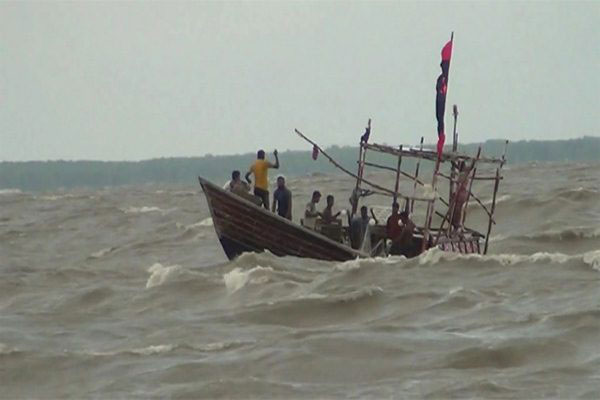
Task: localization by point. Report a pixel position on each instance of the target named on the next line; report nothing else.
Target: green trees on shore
(50, 175)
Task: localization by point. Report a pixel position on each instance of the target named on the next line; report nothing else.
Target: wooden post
(454, 149)
(412, 203)
(361, 166)
(464, 215)
(430, 207)
(452, 205)
(493, 209)
(398, 175)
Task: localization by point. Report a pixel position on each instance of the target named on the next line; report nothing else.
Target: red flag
(447, 51)
(441, 89)
(315, 152)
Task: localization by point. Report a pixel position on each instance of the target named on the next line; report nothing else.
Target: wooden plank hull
(244, 227)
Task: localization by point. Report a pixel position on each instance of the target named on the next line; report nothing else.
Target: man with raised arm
(260, 169)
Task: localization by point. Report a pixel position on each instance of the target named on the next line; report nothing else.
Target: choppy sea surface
(126, 293)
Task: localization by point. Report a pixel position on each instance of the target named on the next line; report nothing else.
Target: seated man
(236, 185)
(241, 188)
(328, 216)
(310, 213)
(402, 242)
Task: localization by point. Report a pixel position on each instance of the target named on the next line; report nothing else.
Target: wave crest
(238, 278)
(161, 274)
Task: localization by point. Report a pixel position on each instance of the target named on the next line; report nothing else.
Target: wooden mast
(362, 155)
(470, 192)
(412, 203)
(496, 184)
(454, 149)
(431, 204)
(398, 176)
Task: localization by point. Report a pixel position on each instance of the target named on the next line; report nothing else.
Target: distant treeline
(50, 175)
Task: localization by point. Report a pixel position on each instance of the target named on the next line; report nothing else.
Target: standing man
(260, 169)
(282, 199)
(358, 227)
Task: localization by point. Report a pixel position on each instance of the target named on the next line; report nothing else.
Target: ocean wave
(160, 274)
(574, 233)
(202, 224)
(435, 256)
(5, 350)
(168, 348)
(145, 209)
(357, 263)
(55, 197)
(238, 278)
(512, 353)
(7, 192)
(101, 253)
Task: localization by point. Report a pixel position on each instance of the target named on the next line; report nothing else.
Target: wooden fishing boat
(244, 227)
(241, 226)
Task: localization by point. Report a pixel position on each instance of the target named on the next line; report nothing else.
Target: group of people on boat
(282, 197)
(399, 228)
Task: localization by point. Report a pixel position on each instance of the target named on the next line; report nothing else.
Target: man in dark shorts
(260, 169)
(282, 199)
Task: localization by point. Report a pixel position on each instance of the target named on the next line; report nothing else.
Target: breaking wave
(145, 209)
(6, 192)
(160, 274)
(436, 256)
(238, 278)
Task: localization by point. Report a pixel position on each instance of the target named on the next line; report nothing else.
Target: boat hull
(241, 227)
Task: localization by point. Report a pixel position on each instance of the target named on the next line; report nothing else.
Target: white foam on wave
(237, 278)
(356, 263)
(145, 351)
(102, 253)
(158, 349)
(10, 191)
(160, 274)
(5, 350)
(202, 224)
(55, 197)
(434, 256)
(165, 348)
(145, 209)
(592, 258)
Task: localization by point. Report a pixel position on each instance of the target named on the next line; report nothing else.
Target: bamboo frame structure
(496, 185)
(454, 158)
(416, 179)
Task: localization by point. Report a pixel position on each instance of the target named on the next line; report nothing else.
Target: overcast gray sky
(129, 81)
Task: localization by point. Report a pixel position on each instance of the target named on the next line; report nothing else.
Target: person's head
(260, 154)
(404, 217)
(235, 175)
(395, 208)
(316, 196)
(364, 212)
(330, 200)
(281, 181)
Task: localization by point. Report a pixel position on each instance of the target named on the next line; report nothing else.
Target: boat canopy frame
(453, 157)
